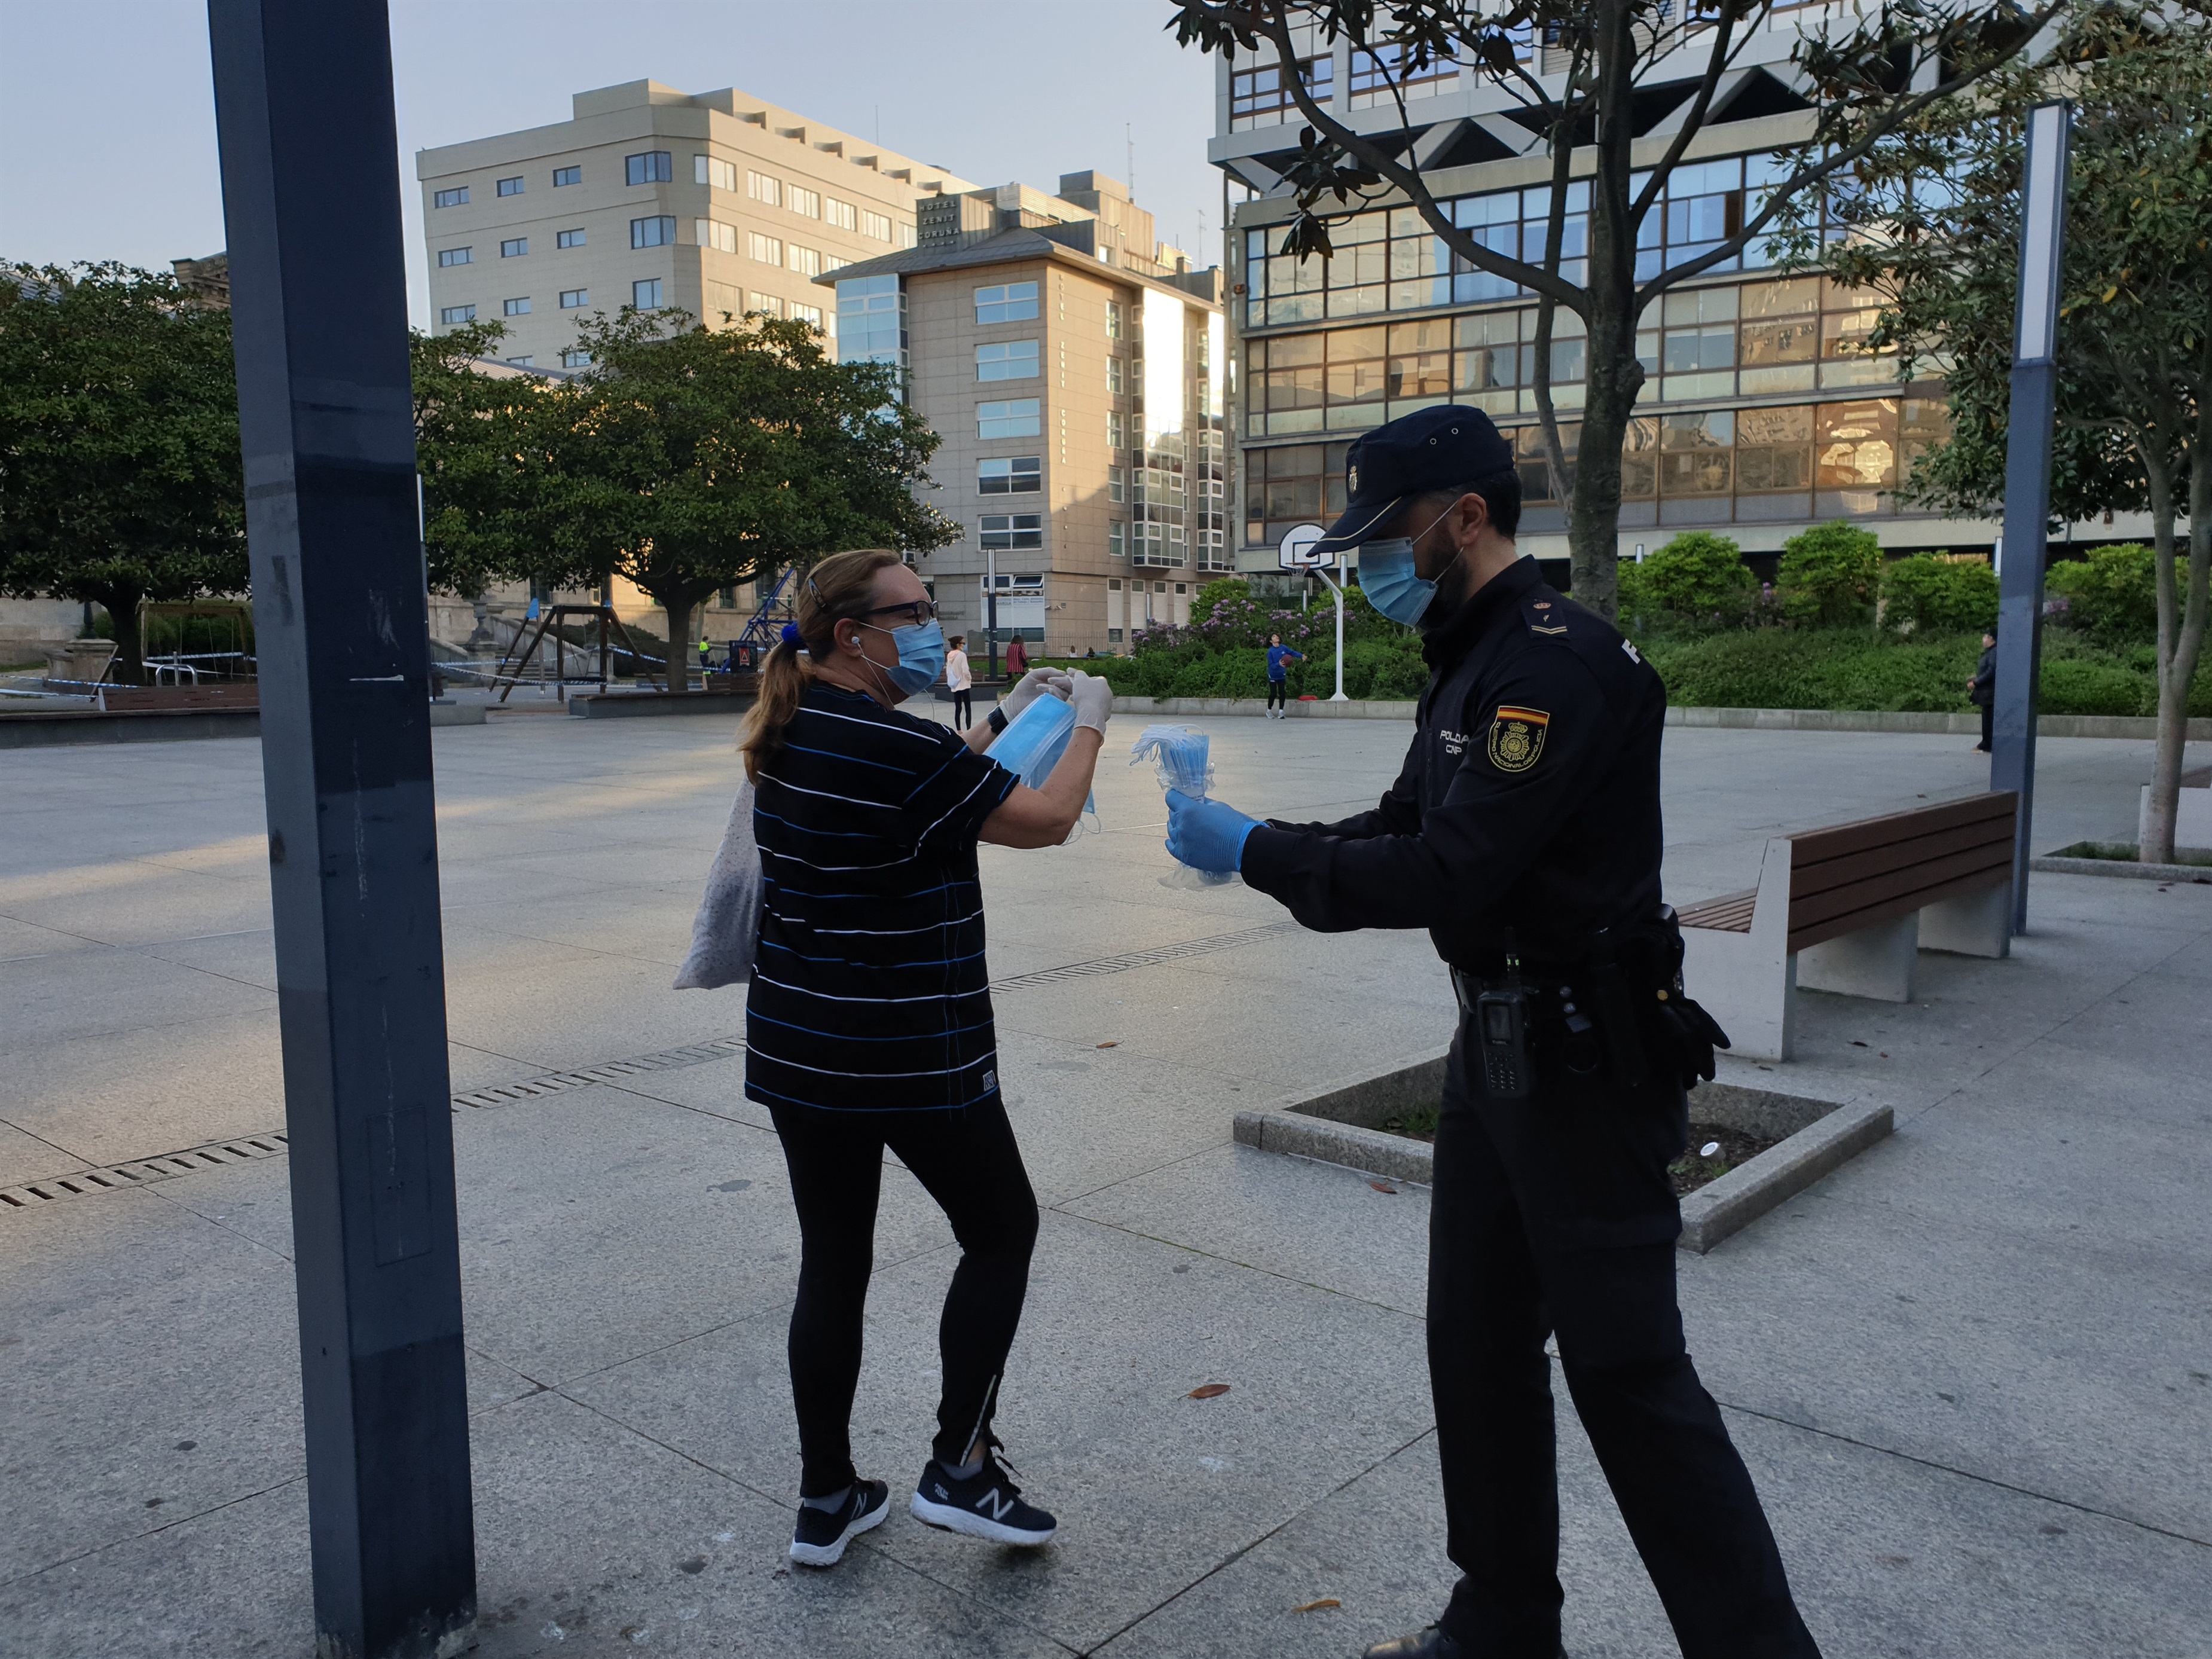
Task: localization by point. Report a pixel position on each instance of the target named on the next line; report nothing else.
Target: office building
(1074, 368)
(1761, 416)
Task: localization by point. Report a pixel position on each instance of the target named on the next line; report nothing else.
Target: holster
(1681, 1035)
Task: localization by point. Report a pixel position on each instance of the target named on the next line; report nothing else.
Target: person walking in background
(1279, 684)
(868, 1019)
(960, 680)
(1018, 657)
(1981, 689)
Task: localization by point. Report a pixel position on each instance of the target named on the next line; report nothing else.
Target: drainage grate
(139, 1172)
(1144, 958)
(615, 1071)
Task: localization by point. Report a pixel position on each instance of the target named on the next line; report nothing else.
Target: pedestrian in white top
(959, 678)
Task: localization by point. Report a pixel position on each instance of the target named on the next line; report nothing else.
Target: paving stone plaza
(1971, 1371)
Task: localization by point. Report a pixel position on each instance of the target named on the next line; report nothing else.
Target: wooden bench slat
(1830, 915)
(1729, 913)
(1833, 873)
(1839, 841)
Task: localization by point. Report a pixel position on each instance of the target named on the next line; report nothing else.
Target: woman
(868, 1023)
(958, 679)
(1018, 657)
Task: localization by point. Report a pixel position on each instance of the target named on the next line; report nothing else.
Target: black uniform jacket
(1529, 800)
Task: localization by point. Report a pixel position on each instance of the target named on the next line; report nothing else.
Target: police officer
(1524, 833)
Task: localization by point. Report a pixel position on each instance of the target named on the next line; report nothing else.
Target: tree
(1611, 71)
(487, 504)
(689, 460)
(120, 472)
(1698, 576)
(1829, 574)
(2135, 334)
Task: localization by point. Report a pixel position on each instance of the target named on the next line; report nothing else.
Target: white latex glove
(1025, 690)
(1093, 699)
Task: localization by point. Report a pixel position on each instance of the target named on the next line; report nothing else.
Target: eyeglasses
(920, 611)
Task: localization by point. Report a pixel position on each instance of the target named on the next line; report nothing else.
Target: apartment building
(1075, 369)
(1761, 414)
(650, 197)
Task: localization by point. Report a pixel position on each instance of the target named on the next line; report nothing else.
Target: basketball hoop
(1298, 550)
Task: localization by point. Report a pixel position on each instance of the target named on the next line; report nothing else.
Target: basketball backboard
(1296, 551)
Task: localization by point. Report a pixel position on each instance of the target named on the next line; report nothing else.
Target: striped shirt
(869, 990)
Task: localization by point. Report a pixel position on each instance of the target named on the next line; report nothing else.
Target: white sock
(829, 1505)
(965, 1471)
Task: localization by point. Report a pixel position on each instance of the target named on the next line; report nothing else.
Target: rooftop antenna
(1129, 159)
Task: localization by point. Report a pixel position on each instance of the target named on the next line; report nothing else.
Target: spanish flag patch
(1516, 738)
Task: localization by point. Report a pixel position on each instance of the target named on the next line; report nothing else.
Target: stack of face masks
(1179, 761)
(1032, 746)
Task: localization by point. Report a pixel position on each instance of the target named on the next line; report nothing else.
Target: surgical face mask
(1387, 575)
(920, 656)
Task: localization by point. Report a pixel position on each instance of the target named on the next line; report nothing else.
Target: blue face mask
(1386, 576)
(920, 653)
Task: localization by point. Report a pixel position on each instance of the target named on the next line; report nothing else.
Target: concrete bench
(1847, 910)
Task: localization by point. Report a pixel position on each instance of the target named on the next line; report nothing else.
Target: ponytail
(839, 586)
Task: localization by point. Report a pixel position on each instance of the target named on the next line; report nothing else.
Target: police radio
(1501, 1028)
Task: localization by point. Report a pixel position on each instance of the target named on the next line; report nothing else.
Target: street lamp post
(2027, 479)
(319, 293)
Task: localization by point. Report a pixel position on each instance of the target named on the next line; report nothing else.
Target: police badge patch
(1516, 738)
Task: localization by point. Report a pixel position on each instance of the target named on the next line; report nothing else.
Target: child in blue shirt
(1279, 693)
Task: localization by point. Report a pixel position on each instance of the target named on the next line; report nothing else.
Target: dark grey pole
(2028, 479)
(311, 200)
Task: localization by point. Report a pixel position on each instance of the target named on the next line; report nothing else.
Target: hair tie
(790, 634)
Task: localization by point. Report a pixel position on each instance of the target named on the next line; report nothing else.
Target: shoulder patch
(1516, 738)
(1634, 655)
(1538, 615)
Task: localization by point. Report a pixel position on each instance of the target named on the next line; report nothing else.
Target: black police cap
(1431, 449)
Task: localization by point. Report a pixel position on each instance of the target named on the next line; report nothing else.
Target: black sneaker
(985, 1505)
(820, 1537)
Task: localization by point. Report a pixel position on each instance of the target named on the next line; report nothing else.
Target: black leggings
(1279, 691)
(964, 713)
(970, 1165)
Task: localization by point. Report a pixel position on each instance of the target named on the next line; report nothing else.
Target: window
(1114, 379)
(1113, 486)
(1009, 302)
(453, 256)
(872, 320)
(570, 238)
(803, 201)
(573, 297)
(903, 234)
(811, 315)
(769, 250)
(1004, 533)
(575, 359)
(1008, 359)
(1291, 485)
(1113, 429)
(567, 176)
(711, 170)
(458, 314)
(837, 213)
(646, 295)
(806, 261)
(658, 232)
(768, 304)
(1116, 548)
(511, 186)
(712, 232)
(522, 363)
(653, 167)
(1115, 319)
(1018, 418)
(456, 198)
(1021, 475)
(517, 308)
(763, 189)
(1374, 74)
(830, 262)
(1261, 97)
(877, 225)
(514, 247)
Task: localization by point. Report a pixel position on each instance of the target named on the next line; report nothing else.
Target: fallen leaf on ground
(1383, 1187)
(1210, 1391)
(1315, 1607)
(1115, 1044)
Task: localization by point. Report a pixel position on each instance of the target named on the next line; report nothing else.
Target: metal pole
(991, 609)
(1339, 592)
(310, 203)
(2028, 479)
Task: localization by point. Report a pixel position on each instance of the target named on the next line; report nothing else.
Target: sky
(107, 146)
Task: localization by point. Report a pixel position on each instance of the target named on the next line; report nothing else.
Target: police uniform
(1524, 834)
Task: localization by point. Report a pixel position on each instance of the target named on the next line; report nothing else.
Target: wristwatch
(998, 720)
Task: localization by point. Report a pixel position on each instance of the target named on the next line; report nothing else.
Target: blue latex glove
(1207, 834)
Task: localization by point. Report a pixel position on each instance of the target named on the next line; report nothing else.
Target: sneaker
(985, 1505)
(821, 1535)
